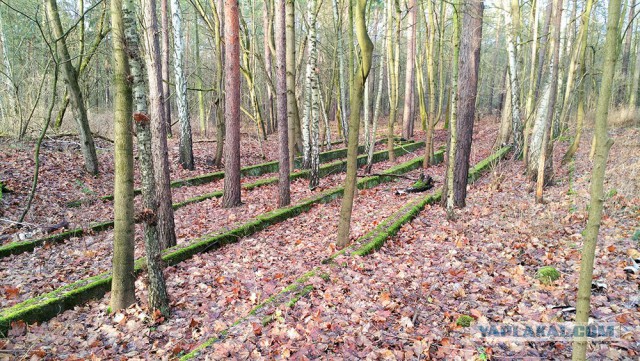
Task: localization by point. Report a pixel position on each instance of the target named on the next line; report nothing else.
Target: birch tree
(293, 114)
(453, 129)
(539, 165)
(157, 292)
(310, 84)
(341, 77)
(186, 147)
(512, 26)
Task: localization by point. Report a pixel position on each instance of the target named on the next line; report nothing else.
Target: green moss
(464, 321)
(304, 292)
(325, 277)
(45, 307)
(636, 235)
(547, 275)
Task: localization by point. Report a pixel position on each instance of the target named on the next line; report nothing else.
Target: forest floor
(401, 302)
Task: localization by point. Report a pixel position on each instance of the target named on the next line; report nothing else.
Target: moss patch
(464, 321)
(547, 275)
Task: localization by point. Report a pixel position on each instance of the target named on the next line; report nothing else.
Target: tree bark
(186, 146)
(231, 197)
(544, 163)
(157, 293)
(122, 284)
(448, 190)
(469, 68)
(431, 53)
(603, 144)
(504, 133)
(284, 196)
(512, 25)
(582, 72)
(266, 23)
(341, 78)
(293, 114)
(164, 12)
(392, 60)
(159, 148)
(71, 79)
(357, 88)
(407, 119)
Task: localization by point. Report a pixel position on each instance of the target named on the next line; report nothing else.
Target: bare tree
(284, 197)
(231, 196)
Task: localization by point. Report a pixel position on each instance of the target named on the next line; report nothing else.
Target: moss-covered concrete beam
(327, 169)
(44, 307)
(372, 240)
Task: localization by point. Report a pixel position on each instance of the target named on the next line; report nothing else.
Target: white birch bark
(341, 81)
(186, 149)
(512, 40)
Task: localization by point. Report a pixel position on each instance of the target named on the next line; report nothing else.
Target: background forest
(141, 214)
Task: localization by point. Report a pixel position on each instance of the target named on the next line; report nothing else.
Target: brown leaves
(11, 292)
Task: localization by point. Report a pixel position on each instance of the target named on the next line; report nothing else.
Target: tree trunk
(469, 68)
(231, 197)
(164, 15)
(535, 14)
(448, 191)
(158, 298)
(626, 53)
(186, 147)
(218, 16)
(7, 74)
(284, 197)
(357, 88)
(266, 21)
(407, 119)
(77, 101)
(293, 115)
(544, 164)
(582, 68)
(633, 95)
(504, 133)
(199, 83)
(603, 144)
(343, 93)
(512, 25)
(376, 110)
(310, 130)
(392, 59)
(428, 158)
(159, 148)
(309, 85)
(122, 284)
